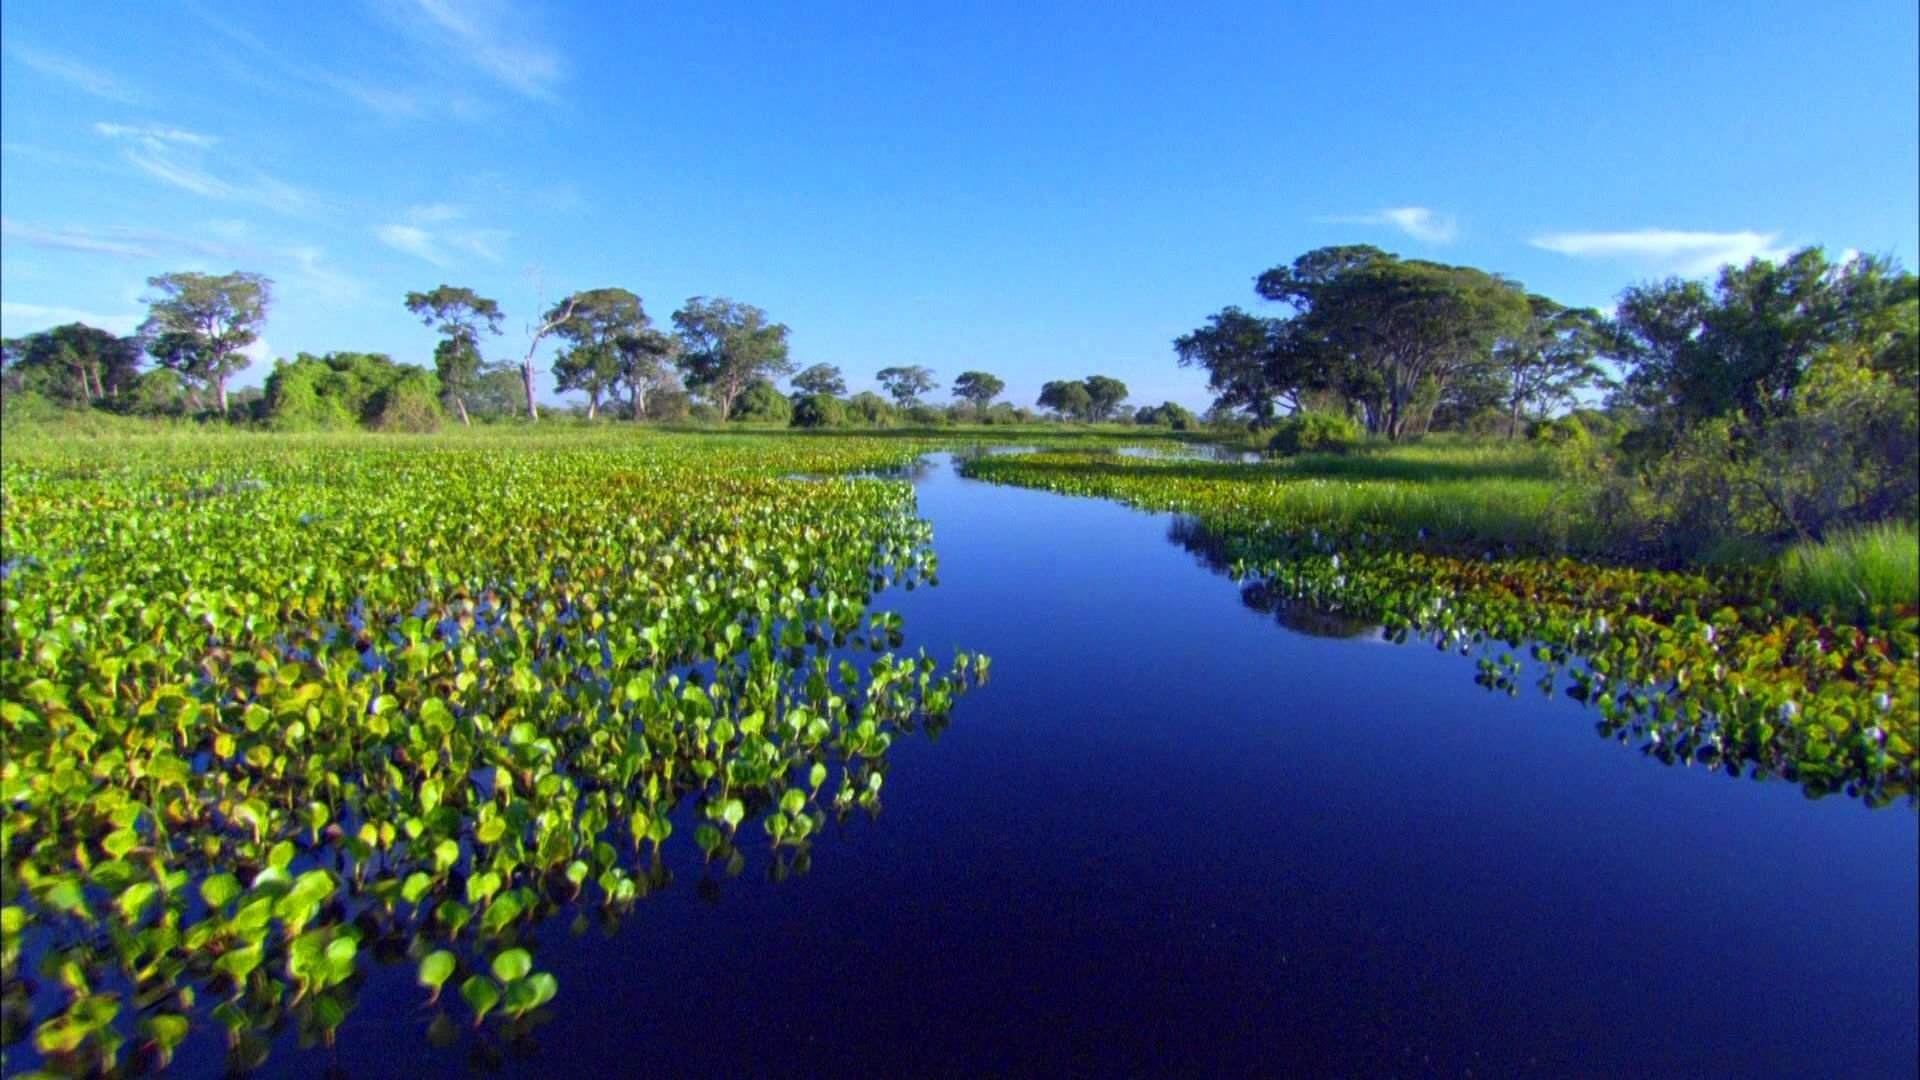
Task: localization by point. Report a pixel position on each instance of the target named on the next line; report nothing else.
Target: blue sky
(1040, 191)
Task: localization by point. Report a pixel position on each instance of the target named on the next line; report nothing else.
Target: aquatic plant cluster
(1707, 667)
(275, 712)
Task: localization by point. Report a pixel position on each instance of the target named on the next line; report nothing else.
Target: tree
(1549, 360)
(460, 315)
(555, 318)
(198, 324)
(75, 363)
(820, 379)
(1067, 398)
(1743, 346)
(598, 320)
(1104, 395)
(977, 387)
(646, 366)
(726, 345)
(1407, 327)
(905, 384)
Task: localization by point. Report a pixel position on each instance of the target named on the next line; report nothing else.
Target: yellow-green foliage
(263, 695)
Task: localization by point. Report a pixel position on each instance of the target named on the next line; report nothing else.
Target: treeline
(720, 361)
(1779, 401)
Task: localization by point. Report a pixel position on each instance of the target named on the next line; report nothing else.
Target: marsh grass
(1853, 571)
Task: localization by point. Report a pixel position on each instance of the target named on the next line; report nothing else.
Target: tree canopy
(905, 384)
(461, 316)
(74, 364)
(725, 345)
(820, 379)
(197, 324)
(977, 387)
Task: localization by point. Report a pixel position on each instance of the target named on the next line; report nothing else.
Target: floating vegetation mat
(1701, 669)
(274, 707)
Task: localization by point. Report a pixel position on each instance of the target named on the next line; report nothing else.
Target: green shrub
(869, 409)
(1564, 431)
(819, 411)
(409, 403)
(926, 416)
(1169, 413)
(1314, 433)
(762, 402)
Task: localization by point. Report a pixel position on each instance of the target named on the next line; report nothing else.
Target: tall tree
(461, 316)
(646, 366)
(725, 345)
(75, 363)
(197, 324)
(1068, 398)
(1410, 325)
(820, 379)
(977, 387)
(601, 318)
(1104, 395)
(906, 383)
(555, 318)
(1549, 360)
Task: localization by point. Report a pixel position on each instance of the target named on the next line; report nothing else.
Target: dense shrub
(344, 390)
(409, 403)
(762, 402)
(1564, 431)
(926, 416)
(819, 411)
(1314, 432)
(1168, 413)
(868, 409)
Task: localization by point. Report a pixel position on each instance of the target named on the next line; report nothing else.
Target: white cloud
(1416, 221)
(495, 36)
(70, 239)
(177, 157)
(433, 244)
(414, 241)
(1668, 249)
(17, 319)
(82, 77)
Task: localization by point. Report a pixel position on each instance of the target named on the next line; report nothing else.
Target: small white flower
(1788, 710)
(1882, 702)
(1600, 625)
(1709, 633)
(1336, 562)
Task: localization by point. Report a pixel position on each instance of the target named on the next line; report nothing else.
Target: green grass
(1856, 570)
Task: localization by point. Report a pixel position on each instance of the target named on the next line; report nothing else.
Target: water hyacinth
(1783, 693)
(270, 709)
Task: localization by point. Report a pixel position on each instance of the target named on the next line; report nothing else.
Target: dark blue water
(1173, 837)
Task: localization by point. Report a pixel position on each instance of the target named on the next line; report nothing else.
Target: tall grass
(1855, 570)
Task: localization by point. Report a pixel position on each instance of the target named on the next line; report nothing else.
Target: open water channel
(1172, 836)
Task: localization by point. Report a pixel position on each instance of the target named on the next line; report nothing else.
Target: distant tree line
(720, 361)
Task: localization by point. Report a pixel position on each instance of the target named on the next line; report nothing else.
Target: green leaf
(481, 995)
(511, 965)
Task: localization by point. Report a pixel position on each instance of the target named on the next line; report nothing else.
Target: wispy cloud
(177, 157)
(265, 66)
(1416, 221)
(430, 233)
(17, 319)
(72, 239)
(215, 246)
(82, 77)
(498, 37)
(1668, 249)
